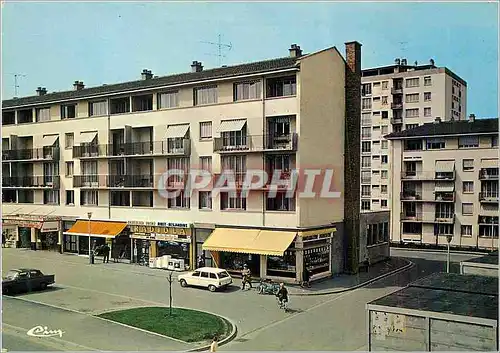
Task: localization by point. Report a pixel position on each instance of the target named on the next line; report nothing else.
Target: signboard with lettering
(159, 224)
(50, 227)
(22, 223)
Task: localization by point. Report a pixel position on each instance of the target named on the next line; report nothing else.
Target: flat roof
(456, 282)
(490, 259)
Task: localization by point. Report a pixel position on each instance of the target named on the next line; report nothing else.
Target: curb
(226, 340)
(440, 251)
(370, 281)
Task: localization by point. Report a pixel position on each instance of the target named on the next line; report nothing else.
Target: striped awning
(232, 125)
(445, 166)
(87, 137)
(50, 140)
(447, 188)
(177, 131)
(310, 233)
(99, 229)
(489, 163)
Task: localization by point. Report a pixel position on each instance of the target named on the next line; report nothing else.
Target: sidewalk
(342, 283)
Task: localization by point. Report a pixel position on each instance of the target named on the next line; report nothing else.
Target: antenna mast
(16, 83)
(220, 46)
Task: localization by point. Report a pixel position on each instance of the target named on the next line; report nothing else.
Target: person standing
(106, 251)
(246, 277)
(282, 295)
(201, 261)
(214, 345)
(306, 275)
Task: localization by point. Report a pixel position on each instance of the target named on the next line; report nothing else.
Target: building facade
(445, 184)
(395, 98)
(96, 159)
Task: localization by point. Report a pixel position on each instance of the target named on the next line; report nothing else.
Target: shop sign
(50, 227)
(22, 223)
(159, 224)
(161, 230)
(162, 237)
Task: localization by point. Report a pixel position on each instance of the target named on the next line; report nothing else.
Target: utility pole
(219, 46)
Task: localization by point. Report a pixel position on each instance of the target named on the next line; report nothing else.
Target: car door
(214, 280)
(194, 279)
(204, 279)
(23, 282)
(34, 281)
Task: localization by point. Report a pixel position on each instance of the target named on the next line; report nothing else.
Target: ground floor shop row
(274, 254)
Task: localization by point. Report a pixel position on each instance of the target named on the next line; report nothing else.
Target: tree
(170, 280)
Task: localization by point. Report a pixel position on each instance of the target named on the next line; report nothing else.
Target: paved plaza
(322, 322)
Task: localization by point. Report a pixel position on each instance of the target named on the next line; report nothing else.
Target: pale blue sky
(55, 44)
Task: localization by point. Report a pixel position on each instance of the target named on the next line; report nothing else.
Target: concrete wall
(376, 252)
(476, 269)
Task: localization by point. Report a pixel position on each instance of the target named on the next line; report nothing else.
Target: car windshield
(11, 274)
(223, 274)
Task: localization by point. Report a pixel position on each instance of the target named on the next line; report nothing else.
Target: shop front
(201, 233)
(34, 232)
(82, 237)
(273, 254)
(161, 239)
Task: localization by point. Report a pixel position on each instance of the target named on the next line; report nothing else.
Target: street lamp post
(89, 215)
(449, 237)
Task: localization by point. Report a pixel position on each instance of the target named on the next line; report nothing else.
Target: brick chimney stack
(352, 155)
(196, 66)
(78, 85)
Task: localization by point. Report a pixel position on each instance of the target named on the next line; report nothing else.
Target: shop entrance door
(24, 237)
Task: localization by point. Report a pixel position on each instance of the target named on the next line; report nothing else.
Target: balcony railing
(163, 148)
(89, 181)
(43, 153)
(397, 120)
(488, 220)
(410, 196)
(444, 218)
(38, 181)
(397, 90)
(428, 175)
(113, 181)
(444, 197)
(428, 217)
(256, 143)
(488, 174)
(396, 105)
(488, 197)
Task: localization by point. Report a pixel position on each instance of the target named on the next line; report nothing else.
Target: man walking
(106, 250)
(246, 277)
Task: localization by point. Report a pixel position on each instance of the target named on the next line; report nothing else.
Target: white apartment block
(396, 98)
(445, 184)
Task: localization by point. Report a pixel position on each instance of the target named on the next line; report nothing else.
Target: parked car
(208, 277)
(25, 280)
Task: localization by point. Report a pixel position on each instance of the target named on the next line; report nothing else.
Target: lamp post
(89, 215)
(449, 237)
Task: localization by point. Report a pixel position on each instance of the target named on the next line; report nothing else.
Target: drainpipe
(109, 134)
(264, 145)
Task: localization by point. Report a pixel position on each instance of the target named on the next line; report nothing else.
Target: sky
(54, 44)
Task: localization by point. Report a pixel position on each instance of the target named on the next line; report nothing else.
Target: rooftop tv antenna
(403, 46)
(16, 82)
(220, 46)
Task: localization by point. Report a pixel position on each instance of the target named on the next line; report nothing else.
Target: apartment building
(445, 184)
(395, 98)
(85, 166)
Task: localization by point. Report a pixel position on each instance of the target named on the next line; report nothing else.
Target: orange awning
(99, 229)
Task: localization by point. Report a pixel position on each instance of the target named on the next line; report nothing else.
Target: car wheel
(5, 291)
(183, 283)
(212, 288)
(43, 286)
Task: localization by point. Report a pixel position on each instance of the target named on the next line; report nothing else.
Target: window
(383, 203)
(411, 126)
(385, 144)
(412, 98)
(366, 119)
(365, 190)
(412, 113)
(366, 177)
(119, 105)
(376, 158)
(384, 159)
(427, 112)
(88, 167)
(205, 130)
(376, 84)
(427, 81)
(467, 209)
(168, 100)
(205, 200)
(69, 169)
(70, 197)
(366, 132)
(205, 95)
(383, 189)
(88, 197)
(68, 111)
(443, 229)
(468, 142)
(435, 144)
(468, 187)
(365, 162)
(206, 163)
(467, 165)
(69, 140)
(385, 129)
(366, 103)
(247, 90)
(366, 146)
(51, 197)
(385, 84)
(180, 201)
(229, 201)
(427, 96)
(494, 141)
(466, 230)
(366, 89)
(376, 99)
(98, 108)
(384, 174)
(280, 203)
(365, 205)
(281, 87)
(385, 115)
(384, 100)
(42, 114)
(142, 103)
(412, 82)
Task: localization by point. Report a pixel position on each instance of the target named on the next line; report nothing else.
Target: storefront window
(120, 248)
(70, 243)
(317, 259)
(282, 266)
(141, 252)
(24, 237)
(176, 250)
(234, 262)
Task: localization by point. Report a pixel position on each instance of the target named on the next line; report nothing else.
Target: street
(331, 322)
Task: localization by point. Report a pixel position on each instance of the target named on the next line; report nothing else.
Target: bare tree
(170, 280)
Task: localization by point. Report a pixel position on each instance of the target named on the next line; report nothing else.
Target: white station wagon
(208, 277)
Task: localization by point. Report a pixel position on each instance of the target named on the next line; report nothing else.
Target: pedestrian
(105, 250)
(214, 345)
(246, 277)
(305, 278)
(282, 295)
(201, 261)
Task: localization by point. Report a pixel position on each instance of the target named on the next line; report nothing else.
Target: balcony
(488, 174)
(488, 197)
(130, 181)
(444, 196)
(428, 217)
(420, 175)
(256, 143)
(133, 149)
(396, 105)
(33, 154)
(397, 90)
(488, 220)
(397, 120)
(412, 217)
(89, 181)
(446, 218)
(410, 196)
(33, 182)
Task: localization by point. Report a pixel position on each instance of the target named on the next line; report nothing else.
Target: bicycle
(283, 304)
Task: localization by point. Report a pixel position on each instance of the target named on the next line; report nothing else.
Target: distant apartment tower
(445, 184)
(396, 98)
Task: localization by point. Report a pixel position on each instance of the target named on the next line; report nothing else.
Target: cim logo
(43, 331)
